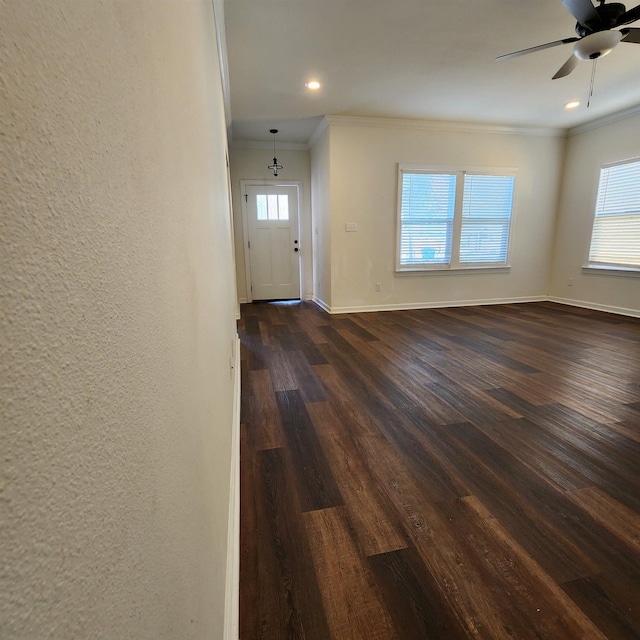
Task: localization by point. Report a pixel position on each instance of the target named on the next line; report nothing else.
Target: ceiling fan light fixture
(596, 44)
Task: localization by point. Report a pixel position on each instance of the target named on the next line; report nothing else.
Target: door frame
(245, 226)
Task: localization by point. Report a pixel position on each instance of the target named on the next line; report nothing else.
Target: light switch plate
(351, 226)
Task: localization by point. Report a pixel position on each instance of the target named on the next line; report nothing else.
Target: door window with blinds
(450, 220)
(615, 240)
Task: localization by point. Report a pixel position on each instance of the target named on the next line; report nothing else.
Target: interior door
(274, 247)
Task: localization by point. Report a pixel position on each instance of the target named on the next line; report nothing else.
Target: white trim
(232, 589)
(322, 304)
(442, 125)
(603, 270)
(243, 301)
(428, 305)
(605, 120)
(412, 272)
(323, 125)
(621, 311)
(261, 144)
(221, 42)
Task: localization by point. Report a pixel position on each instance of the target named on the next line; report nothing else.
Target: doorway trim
(245, 226)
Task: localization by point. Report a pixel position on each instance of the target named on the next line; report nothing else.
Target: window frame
(603, 267)
(454, 265)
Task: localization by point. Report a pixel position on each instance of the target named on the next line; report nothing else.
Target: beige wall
(586, 153)
(363, 189)
(321, 218)
(251, 164)
(117, 319)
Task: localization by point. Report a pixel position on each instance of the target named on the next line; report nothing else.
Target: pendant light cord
(593, 77)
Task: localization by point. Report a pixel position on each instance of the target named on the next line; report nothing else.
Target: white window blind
(453, 219)
(426, 215)
(616, 229)
(486, 218)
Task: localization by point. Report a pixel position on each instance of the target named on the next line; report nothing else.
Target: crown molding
(262, 144)
(221, 43)
(443, 125)
(323, 125)
(617, 116)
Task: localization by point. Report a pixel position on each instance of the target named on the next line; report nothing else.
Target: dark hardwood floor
(444, 473)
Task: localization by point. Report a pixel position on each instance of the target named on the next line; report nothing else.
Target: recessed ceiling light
(313, 85)
(572, 105)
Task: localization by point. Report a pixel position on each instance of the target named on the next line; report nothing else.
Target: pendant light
(275, 166)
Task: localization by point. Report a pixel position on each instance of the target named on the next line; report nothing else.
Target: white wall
(364, 157)
(117, 318)
(321, 219)
(586, 153)
(251, 164)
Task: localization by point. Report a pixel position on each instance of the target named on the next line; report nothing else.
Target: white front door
(274, 245)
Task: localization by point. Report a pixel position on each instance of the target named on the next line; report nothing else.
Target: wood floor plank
(375, 527)
(282, 375)
(416, 604)
(492, 591)
(620, 520)
(249, 521)
(517, 437)
(606, 607)
(358, 416)
(627, 428)
(556, 616)
(262, 414)
(316, 484)
(413, 380)
(355, 609)
(290, 603)
(570, 525)
(556, 553)
(304, 377)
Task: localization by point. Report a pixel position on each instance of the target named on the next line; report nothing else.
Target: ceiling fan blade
(631, 35)
(566, 68)
(583, 11)
(629, 16)
(540, 47)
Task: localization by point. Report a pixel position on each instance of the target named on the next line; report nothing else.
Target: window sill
(610, 270)
(422, 271)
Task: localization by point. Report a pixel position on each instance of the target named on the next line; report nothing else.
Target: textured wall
(117, 321)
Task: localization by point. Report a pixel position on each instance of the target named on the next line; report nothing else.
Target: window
(272, 206)
(451, 220)
(615, 240)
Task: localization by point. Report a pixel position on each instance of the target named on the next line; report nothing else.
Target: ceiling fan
(596, 29)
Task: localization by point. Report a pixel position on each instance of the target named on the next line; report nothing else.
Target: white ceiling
(425, 59)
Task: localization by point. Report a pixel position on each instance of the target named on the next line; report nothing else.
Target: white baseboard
(321, 304)
(426, 305)
(232, 589)
(621, 311)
